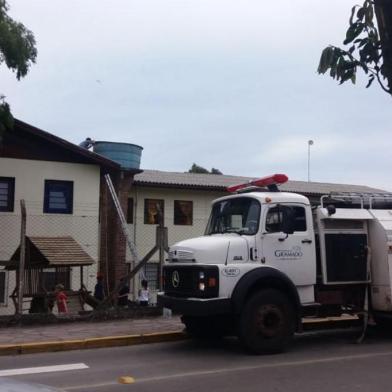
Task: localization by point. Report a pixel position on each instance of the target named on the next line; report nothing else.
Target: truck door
(294, 254)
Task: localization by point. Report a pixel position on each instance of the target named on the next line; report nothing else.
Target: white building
(60, 184)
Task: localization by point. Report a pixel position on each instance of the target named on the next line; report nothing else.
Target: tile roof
(52, 252)
(220, 182)
(61, 250)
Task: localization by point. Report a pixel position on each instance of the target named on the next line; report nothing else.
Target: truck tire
(267, 322)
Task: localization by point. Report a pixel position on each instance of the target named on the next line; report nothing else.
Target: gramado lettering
(295, 252)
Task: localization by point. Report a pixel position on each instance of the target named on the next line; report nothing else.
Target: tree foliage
(6, 119)
(201, 170)
(215, 171)
(18, 52)
(364, 51)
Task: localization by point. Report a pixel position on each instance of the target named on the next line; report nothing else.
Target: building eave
(66, 145)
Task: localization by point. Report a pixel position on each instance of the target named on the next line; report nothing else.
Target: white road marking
(200, 373)
(43, 369)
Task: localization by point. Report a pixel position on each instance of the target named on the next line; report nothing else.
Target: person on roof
(88, 143)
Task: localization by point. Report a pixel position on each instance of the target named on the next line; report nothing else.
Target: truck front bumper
(195, 306)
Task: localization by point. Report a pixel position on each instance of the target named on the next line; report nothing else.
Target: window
(240, 215)
(7, 191)
(276, 217)
(58, 197)
(3, 287)
(183, 212)
(130, 210)
(152, 209)
(299, 219)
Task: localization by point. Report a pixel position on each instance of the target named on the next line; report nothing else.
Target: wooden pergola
(48, 261)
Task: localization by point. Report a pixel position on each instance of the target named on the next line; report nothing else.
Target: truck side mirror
(331, 209)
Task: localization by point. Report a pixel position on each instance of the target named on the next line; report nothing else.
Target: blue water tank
(126, 154)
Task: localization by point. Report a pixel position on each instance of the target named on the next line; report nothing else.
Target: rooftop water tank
(126, 154)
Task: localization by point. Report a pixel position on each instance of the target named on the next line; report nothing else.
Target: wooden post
(22, 255)
(81, 276)
(160, 245)
(161, 242)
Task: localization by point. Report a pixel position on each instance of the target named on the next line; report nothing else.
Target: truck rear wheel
(267, 323)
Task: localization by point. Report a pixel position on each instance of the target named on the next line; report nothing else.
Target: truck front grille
(187, 281)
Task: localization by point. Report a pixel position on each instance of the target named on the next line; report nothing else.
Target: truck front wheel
(267, 323)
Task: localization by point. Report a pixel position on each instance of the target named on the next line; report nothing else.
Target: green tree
(18, 52)
(201, 170)
(198, 169)
(367, 47)
(215, 171)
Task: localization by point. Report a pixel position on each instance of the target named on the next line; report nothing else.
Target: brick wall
(112, 241)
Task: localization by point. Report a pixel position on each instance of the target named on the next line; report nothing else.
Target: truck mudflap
(195, 306)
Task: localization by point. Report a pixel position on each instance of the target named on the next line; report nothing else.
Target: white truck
(269, 259)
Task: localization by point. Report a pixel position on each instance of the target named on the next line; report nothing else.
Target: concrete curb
(157, 337)
(80, 344)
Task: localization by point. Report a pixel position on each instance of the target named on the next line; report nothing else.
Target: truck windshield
(240, 215)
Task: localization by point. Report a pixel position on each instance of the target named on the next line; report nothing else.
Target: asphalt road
(315, 363)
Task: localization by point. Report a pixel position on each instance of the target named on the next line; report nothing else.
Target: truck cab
(248, 231)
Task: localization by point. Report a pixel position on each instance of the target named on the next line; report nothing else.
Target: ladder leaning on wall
(123, 222)
(161, 244)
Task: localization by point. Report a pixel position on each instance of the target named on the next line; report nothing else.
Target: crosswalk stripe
(43, 369)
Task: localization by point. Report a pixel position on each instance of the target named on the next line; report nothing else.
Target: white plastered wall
(82, 224)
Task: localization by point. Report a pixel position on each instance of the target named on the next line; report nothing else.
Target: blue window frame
(58, 197)
(7, 192)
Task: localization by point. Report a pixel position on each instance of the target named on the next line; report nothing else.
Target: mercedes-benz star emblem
(175, 279)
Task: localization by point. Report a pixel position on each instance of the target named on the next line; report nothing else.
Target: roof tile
(221, 182)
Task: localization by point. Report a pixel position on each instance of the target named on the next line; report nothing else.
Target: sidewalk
(85, 334)
(121, 332)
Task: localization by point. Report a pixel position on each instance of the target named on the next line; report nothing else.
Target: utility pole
(310, 143)
(22, 255)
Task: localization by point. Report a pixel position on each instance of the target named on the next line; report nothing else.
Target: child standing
(61, 299)
(144, 294)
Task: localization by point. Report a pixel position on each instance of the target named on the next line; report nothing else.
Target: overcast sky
(226, 84)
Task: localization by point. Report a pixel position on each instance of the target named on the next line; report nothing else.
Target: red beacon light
(275, 179)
